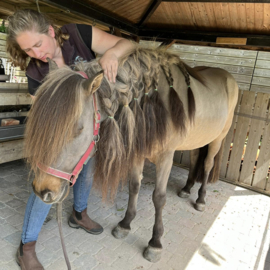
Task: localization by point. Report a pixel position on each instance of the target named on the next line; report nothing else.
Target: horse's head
(59, 130)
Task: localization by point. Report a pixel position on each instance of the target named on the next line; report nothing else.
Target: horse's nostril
(46, 195)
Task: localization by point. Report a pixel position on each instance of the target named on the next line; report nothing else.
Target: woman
(32, 35)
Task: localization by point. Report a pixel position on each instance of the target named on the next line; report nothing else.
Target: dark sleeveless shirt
(76, 49)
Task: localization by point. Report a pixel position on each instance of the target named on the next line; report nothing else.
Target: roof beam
(220, 1)
(84, 9)
(154, 5)
(252, 40)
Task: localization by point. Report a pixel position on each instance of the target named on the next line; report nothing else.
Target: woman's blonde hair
(28, 20)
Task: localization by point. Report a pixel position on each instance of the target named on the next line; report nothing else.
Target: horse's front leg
(163, 167)
(185, 192)
(135, 177)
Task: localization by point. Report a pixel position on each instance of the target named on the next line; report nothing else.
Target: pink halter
(71, 177)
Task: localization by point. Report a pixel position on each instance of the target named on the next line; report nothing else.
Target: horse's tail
(199, 168)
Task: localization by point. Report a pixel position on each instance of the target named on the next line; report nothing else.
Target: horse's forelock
(55, 111)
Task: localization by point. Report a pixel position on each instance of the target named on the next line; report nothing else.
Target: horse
(157, 105)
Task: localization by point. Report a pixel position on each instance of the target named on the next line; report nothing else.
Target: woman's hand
(109, 63)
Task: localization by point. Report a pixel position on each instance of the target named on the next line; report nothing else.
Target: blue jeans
(36, 210)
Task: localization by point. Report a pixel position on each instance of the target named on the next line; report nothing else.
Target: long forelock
(55, 111)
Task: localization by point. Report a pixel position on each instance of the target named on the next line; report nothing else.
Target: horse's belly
(202, 133)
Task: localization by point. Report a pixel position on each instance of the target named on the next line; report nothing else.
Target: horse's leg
(185, 192)
(135, 177)
(214, 149)
(163, 167)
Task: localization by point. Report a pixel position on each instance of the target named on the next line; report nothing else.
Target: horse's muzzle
(50, 197)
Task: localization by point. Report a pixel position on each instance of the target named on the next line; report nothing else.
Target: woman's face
(39, 46)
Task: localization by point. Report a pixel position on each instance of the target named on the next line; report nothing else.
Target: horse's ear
(52, 64)
(92, 85)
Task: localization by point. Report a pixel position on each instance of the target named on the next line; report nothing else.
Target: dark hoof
(183, 194)
(199, 207)
(119, 232)
(152, 254)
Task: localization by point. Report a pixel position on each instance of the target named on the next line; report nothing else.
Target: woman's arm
(112, 48)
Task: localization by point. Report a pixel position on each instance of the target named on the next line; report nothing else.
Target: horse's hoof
(199, 207)
(183, 194)
(152, 254)
(119, 232)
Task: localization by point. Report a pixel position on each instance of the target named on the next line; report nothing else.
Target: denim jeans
(36, 210)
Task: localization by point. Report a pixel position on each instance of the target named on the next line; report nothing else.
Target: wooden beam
(115, 31)
(85, 10)
(252, 40)
(231, 41)
(152, 8)
(220, 1)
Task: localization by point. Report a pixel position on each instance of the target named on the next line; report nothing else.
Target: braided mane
(138, 118)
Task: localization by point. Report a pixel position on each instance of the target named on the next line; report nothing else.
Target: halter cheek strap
(71, 177)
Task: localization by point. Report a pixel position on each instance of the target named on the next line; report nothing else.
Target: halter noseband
(71, 177)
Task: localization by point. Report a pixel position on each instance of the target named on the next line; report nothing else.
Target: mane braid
(176, 105)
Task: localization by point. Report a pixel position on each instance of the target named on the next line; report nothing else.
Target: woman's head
(33, 34)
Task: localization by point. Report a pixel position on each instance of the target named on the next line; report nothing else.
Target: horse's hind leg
(163, 167)
(212, 162)
(185, 192)
(135, 177)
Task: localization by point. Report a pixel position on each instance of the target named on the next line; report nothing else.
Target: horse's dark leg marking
(123, 227)
(185, 192)
(213, 149)
(163, 167)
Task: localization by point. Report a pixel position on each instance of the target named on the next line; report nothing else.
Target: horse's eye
(79, 131)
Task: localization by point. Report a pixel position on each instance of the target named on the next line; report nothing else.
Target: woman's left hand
(109, 63)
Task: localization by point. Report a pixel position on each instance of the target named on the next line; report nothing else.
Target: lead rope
(59, 219)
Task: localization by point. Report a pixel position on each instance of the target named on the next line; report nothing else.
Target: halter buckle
(96, 140)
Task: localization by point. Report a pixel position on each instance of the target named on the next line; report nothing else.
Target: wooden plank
(244, 86)
(242, 78)
(229, 139)
(247, 62)
(186, 158)
(231, 41)
(263, 56)
(259, 72)
(258, 15)
(259, 88)
(262, 64)
(263, 161)
(230, 68)
(213, 51)
(250, 12)
(13, 87)
(11, 150)
(2, 48)
(255, 132)
(261, 81)
(12, 114)
(15, 99)
(240, 136)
